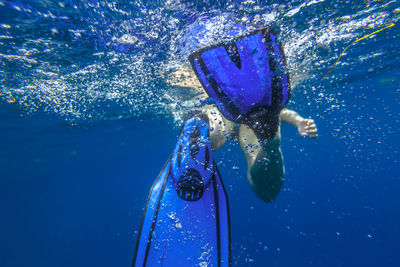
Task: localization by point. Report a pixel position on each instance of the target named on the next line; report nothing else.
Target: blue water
(86, 126)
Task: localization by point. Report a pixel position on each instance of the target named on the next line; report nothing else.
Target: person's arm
(306, 127)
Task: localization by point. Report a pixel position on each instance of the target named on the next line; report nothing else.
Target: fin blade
(150, 213)
(186, 231)
(240, 89)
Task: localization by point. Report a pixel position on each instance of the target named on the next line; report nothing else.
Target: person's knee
(267, 191)
(266, 180)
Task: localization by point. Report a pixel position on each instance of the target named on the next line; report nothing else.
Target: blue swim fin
(186, 220)
(247, 77)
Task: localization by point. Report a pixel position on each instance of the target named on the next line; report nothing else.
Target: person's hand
(307, 127)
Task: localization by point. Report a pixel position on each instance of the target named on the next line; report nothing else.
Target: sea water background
(87, 121)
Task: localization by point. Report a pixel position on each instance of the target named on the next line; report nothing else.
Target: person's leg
(265, 169)
(220, 127)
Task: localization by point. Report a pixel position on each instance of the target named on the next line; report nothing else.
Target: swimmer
(259, 135)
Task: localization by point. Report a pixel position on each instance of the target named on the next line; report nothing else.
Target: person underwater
(186, 220)
(249, 83)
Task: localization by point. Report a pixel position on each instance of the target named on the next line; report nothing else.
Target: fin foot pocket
(193, 151)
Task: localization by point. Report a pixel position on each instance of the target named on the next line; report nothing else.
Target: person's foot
(307, 127)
